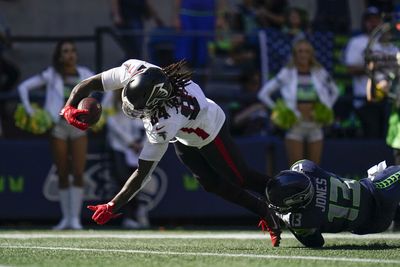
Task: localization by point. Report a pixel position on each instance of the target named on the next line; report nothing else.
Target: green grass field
(190, 248)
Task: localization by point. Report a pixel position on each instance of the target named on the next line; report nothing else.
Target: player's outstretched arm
(311, 238)
(105, 212)
(140, 177)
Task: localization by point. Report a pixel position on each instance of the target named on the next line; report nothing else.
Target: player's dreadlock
(179, 76)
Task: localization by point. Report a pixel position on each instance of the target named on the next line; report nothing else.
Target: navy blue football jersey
(339, 204)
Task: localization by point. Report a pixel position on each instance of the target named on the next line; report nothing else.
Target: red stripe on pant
(198, 131)
(225, 154)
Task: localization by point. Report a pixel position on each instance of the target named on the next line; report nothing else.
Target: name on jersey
(320, 193)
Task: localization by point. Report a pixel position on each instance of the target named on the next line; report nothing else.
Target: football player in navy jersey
(312, 201)
(173, 107)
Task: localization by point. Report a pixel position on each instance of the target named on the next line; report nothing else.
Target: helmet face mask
(289, 191)
(145, 92)
(130, 111)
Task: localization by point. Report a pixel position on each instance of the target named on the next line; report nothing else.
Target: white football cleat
(62, 225)
(130, 224)
(76, 224)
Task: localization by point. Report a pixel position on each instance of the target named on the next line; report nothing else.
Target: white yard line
(241, 255)
(183, 235)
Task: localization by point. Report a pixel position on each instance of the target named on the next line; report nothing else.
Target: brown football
(94, 107)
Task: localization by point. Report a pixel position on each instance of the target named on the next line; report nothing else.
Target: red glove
(103, 213)
(71, 113)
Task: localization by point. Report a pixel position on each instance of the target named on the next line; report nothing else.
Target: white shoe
(76, 224)
(143, 221)
(64, 204)
(62, 225)
(130, 224)
(142, 217)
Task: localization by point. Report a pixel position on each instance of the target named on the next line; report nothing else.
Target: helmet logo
(302, 198)
(158, 93)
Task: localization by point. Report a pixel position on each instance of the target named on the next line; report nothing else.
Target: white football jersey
(196, 122)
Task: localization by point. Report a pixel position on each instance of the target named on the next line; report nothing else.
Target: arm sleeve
(153, 151)
(118, 77)
(114, 78)
(333, 90)
(270, 87)
(23, 89)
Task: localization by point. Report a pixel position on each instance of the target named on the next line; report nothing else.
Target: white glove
(375, 169)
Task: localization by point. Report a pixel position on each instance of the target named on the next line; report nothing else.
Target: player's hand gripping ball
(93, 106)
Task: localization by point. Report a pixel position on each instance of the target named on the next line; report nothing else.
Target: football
(94, 107)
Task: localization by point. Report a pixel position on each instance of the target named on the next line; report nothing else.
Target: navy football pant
(385, 189)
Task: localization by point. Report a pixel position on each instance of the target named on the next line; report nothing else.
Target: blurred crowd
(219, 39)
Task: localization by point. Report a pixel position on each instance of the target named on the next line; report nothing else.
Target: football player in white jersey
(173, 107)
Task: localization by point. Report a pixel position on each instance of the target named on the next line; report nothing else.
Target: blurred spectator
(125, 140)
(249, 115)
(272, 13)
(309, 5)
(385, 6)
(304, 86)
(246, 23)
(247, 17)
(371, 114)
(128, 17)
(332, 15)
(237, 40)
(296, 23)
(68, 144)
(197, 20)
(9, 72)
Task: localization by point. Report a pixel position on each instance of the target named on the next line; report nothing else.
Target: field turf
(115, 248)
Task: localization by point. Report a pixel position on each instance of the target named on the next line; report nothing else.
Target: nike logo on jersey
(159, 128)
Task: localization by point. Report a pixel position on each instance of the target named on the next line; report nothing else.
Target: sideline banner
(29, 188)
